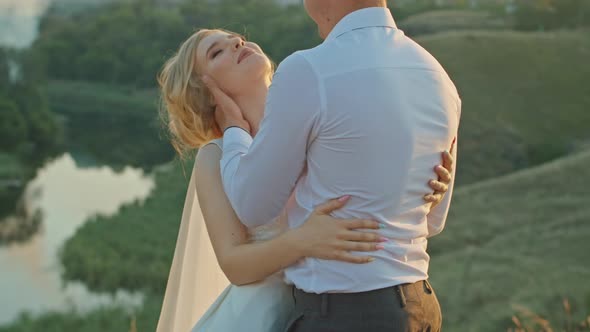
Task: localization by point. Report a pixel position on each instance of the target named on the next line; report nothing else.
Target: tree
(552, 14)
(126, 43)
(13, 128)
(4, 71)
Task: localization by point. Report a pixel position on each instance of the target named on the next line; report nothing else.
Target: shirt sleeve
(438, 215)
(259, 174)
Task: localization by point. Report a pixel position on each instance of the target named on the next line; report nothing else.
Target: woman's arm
(243, 262)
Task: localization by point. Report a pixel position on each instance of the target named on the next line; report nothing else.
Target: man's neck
(346, 8)
(357, 5)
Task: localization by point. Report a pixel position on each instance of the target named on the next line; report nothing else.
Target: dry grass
(133, 327)
(519, 239)
(527, 321)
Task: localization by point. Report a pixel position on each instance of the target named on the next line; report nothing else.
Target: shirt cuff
(230, 127)
(236, 138)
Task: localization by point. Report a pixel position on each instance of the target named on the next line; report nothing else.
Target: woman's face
(233, 63)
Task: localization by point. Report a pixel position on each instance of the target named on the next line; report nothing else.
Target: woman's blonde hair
(186, 106)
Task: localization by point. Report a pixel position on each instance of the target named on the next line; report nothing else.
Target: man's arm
(259, 174)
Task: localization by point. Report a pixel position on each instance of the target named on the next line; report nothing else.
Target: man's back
(387, 110)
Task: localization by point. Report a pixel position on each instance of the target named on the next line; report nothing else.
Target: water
(19, 20)
(66, 195)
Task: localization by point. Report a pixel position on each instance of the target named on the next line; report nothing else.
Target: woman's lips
(244, 54)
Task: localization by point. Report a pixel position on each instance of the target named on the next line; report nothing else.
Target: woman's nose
(238, 42)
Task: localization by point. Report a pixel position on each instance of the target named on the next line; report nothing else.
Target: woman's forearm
(242, 262)
(251, 262)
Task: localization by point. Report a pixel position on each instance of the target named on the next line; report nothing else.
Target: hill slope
(437, 21)
(521, 239)
(525, 96)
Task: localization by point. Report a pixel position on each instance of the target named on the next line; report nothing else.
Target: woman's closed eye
(216, 53)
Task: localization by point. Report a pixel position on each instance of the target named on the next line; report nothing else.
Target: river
(66, 194)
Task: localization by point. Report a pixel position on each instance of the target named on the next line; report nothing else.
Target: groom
(365, 114)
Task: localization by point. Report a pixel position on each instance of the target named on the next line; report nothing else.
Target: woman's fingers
(213, 88)
(359, 246)
(448, 161)
(226, 108)
(331, 205)
(433, 198)
(219, 95)
(350, 235)
(438, 186)
(361, 223)
(443, 174)
(350, 258)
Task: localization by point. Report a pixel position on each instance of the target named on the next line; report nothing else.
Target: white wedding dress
(199, 298)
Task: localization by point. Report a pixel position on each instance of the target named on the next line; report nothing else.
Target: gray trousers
(402, 308)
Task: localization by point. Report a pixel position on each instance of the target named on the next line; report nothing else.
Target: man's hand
(444, 172)
(227, 112)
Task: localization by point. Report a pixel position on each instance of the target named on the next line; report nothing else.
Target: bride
(225, 277)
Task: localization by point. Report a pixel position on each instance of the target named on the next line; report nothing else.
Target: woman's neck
(252, 102)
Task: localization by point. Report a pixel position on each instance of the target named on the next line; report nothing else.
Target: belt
(390, 296)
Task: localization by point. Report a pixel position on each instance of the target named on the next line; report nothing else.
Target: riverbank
(117, 125)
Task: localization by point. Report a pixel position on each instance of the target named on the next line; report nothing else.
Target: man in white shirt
(365, 114)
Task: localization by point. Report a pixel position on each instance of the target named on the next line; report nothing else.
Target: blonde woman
(224, 276)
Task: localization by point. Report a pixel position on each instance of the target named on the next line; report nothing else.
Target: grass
(527, 320)
(115, 319)
(12, 177)
(437, 21)
(75, 97)
(117, 125)
(525, 97)
(10, 166)
(525, 100)
(517, 240)
(133, 249)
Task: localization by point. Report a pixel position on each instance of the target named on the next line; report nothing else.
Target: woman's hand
(441, 184)
(227, 112)
(325, 237)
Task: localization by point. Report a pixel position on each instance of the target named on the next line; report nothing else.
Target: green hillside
(516, 240)
(438, 21)
(525, 96)
(79, 97)
(116, 125)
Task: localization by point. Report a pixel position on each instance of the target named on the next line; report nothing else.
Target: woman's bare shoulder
(208, 158)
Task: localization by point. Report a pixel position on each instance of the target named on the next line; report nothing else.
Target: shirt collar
(363, 18)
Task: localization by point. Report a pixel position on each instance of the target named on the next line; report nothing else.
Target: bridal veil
(195, 278)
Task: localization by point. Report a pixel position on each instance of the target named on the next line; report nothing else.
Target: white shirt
(367, 113)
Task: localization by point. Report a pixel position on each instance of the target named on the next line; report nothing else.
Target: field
(521, 240)
(518, 227)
